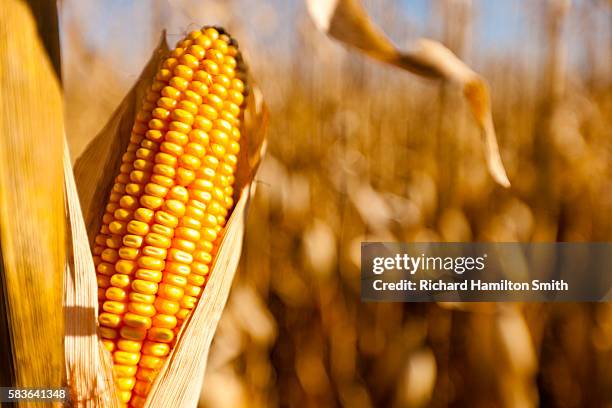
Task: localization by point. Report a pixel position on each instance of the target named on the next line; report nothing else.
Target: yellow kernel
(171, 92)
(143, 214)
(179, 83)
(125, 384)
(161, 113)
(215, 101)
(189, 60)
(184, 72)
(163, 181)
(196, 280)
(146, 287)
(199, 136)
(203, 41)
(197, 51)
(117, 294)
(163, 230)
(117, 227)
(195, 149)
(183, 244)
(219, 90)
(237, 85)
(109, 345)
(133, 241)
(129, 345)
(148, 262)
(211, 33)
(170, 63)
(188, 302)
(124, 396)
(164, 321)
(203, 196)
(163, 74)
(149, 275)
(160, 334)
(133, 333)
(179, 193)
(185, 176)
(134, 189)
(199, 87)
(170, 292)
(157, 124)
(210, 67)
(159, 253)
(187, 233)
(137, 227)
(208, 112)
(109, 320)
(156, 190)
(199, 268)
(202, 256)
(137, 321)
(105, 268)
(125, 370)
(151, 202)
(146, 374)
(177, 268)
(108, 333)
(174, 207)
(120, 280)
(182, 314)
(167, 306)
(214, 56)
(193, 290)
(126, 357)
(175, 280)
(200, 122)
(228, 71)
(165, 158)
(141, 297)
(193, 97)
(157, 240)
(163, 170)
(166, 103)
(179, 126)
(142, 309)
(175, 138)
(151, 362)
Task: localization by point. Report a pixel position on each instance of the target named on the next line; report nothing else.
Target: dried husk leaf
(180, 380)
(348, 22)
(88, 365)
(32, 233)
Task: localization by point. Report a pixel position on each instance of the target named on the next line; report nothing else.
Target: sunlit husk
(31, 204)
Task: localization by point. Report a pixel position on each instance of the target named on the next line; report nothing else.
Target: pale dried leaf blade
(32, 250)
(88, 364)
(97, 166)
(477, 95)
(348, 22)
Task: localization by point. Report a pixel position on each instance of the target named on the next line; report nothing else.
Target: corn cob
(168, 206)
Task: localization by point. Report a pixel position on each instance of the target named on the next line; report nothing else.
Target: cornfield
(362, 151)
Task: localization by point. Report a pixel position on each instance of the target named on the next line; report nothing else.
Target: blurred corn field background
(360, 151)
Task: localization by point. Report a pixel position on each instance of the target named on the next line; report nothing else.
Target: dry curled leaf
(348, 22)
(179, 381)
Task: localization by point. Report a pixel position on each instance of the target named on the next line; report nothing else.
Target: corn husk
(179, 381)
(31, 205)
(349, 23)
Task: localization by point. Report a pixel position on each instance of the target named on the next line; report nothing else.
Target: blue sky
(500, 27)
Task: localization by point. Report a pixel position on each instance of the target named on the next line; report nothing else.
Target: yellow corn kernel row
(168, 206)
